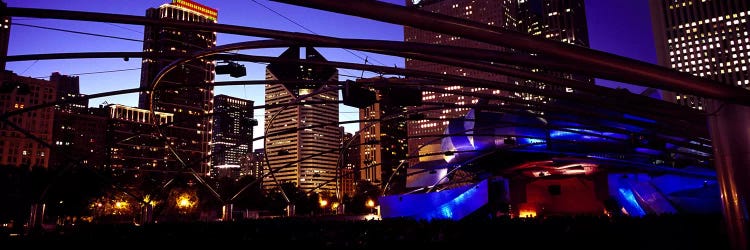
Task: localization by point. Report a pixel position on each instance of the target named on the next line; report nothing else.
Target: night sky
(620, 27)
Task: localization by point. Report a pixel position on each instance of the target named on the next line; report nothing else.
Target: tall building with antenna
(5, 22)
(302, 140)
(192, 105)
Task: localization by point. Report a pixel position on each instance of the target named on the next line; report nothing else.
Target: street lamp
(185, 202)
(371, 204)
(323, 203)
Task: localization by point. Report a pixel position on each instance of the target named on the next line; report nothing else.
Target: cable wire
(27, 68)
(313, 32)
(126, 28)
(77, 32)
(93, 73)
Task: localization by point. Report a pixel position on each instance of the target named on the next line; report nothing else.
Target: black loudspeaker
(554, 189)
(232, 69)
(403, 96)
(358, 96)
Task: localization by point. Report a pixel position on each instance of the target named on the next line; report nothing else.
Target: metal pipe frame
(680, 117)
(619, 68)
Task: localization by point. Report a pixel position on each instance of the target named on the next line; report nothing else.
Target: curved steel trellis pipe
(619, 67)
(616, 67)
(659, 110)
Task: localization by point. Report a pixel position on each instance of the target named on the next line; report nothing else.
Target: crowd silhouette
(679, 231)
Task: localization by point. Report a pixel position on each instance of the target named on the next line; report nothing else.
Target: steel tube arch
(656, 109)
(620, 68)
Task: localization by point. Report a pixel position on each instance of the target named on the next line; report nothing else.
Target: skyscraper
(350, 161)
(706, 38)
(232, 136)
(302, 140)
(383, 143)
(424, 134)
(17, 92)
(78, 135)
(190, 105)
(68, 87)
(253, 164)
(131, 142)
(4, 36)
(79, 138)
(560, 20)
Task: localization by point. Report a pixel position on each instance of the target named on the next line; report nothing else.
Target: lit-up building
(706, 38)
(350, 159)
(190, 105)
(302, 140)
(559, 20)
(252, 164)
(232, 136)
(133, 144)
(383, 144)
(17, 92)
(79, 138)
(68, 87)
(424, 134)
(78, 134)
(4, 36)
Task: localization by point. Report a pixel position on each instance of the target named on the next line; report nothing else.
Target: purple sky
(621, 27)
(617, 26)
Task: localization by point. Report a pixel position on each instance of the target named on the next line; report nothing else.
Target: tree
(364, 192)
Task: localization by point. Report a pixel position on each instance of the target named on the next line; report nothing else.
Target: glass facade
(706, 38)
(302, 140)
(190, 105)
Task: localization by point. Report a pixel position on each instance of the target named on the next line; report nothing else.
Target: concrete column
(226, 212)
(290, 210)
(36, 218)
(147, 212)
(729, 126)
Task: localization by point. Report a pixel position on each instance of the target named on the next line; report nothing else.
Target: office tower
(302, 140)
(252, 164)
(17, 92)
(560, 20)
(78, 134)
(350, 159)
(706, 38)
(383, 143)
(424, 135)
(68, 87)
(190, 105)
(557, 20)
(4, 36)
(232, 135)
(133, 146)
(79, 139)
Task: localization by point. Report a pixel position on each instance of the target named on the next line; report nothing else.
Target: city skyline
(520, 139)
(615, 26)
